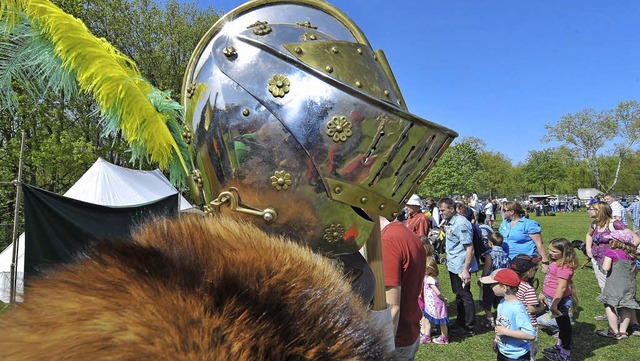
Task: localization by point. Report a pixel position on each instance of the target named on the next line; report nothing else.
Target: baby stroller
(436, 237)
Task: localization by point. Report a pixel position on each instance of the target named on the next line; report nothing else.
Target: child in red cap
(513, 326)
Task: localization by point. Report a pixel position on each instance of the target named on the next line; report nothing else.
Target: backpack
(478, 242)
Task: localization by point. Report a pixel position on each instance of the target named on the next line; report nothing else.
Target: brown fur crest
(192, 289)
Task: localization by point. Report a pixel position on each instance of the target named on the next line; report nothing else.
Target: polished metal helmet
(295, 119)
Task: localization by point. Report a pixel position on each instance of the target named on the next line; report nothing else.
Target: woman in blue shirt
(521, 235)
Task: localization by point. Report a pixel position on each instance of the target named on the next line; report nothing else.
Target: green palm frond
(64, 49)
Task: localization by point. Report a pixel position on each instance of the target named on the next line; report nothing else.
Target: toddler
(494, 258)
(435, 306)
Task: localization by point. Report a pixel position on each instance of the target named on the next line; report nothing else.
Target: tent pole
(16, 240)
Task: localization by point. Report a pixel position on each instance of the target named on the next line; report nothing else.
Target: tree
(543, 170)
(495, 175)
(590, 134)
(454, 173)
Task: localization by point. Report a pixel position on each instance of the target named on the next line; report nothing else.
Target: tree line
(598, 149)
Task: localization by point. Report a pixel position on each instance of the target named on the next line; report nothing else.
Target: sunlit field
(587, 345)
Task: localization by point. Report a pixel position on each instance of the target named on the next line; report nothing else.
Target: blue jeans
(551, 323)
(565, 332)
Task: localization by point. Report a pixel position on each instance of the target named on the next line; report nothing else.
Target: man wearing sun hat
(417, 222)
(513, 326)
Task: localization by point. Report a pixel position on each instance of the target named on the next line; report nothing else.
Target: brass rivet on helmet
(197, 177)
(394, 214)
(246, 112)
(387, 93)
(364, 200)
(279, 85)
(229, 52)
(281, 180)
(359, 84)
(334, 233)
(329, 69)
(339, 128)
(382, 206)
(334, 50)
(298, 50)
(308, 36)
(359, 51)
(191, 89)
(261, 28)
(338, 190)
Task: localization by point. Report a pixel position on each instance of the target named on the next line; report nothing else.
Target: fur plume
(192, 289)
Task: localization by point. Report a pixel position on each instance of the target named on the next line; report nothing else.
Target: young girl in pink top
(557, 295)
(620, 287)
(435, 306)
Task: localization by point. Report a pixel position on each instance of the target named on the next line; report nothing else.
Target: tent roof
(111, 185)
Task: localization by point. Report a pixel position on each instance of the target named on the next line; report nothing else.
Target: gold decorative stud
(246, 112)
(298, 50)
(334, 50)
(382, 206)
(191, 90)
(338, 190)
(334, 233)
(339, 128)
(359, 51)
(229, 52)
(308, 36)
(364, 200)
(197, 177)
(279, 85)
(187, 135)
(281, 180)
(386, 93)
(306, 24)
(260, 28)
(359, 84)
(329, 69)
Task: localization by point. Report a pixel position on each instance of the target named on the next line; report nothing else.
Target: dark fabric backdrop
(57, 227)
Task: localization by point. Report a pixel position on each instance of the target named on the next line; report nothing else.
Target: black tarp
(57, 227)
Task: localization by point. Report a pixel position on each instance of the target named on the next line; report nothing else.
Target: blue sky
(499, 70)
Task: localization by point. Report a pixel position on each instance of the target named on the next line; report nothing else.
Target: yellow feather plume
(101, 70)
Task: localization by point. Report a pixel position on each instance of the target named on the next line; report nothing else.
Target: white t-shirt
(617, 209)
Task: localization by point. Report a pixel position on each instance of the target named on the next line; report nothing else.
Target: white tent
(105, 184)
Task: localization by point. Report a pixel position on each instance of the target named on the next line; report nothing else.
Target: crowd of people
(509, 257)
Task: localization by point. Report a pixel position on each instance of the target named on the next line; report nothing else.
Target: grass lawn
(587, 345)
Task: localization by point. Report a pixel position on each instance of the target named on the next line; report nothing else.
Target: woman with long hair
(521, 235)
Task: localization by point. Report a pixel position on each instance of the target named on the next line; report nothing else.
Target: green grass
(587, 345)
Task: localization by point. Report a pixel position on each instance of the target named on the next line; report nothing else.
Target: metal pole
(16, 239)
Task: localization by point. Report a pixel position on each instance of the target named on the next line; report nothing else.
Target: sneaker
(462, 332)
(557, 357)
(550, 350)
(607, 333)
(425, 338)
(441, 340)
(600, 318)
